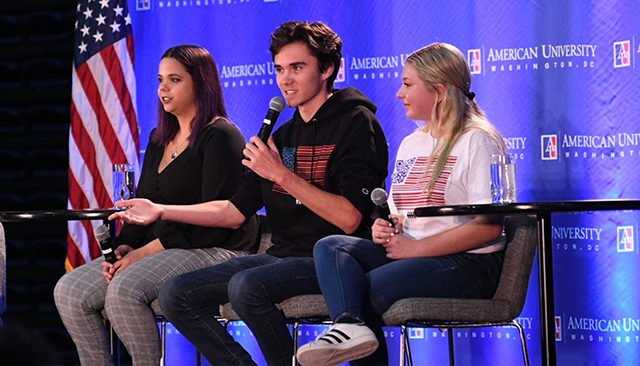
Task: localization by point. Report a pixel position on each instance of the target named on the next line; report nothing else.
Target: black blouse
(209, 169)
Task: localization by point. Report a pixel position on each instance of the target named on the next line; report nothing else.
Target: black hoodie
(341, 150)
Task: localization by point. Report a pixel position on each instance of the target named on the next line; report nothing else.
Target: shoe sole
(335, 356)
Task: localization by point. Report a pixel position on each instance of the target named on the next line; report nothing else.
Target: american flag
(104, 128)
(409, 183)
(311, 164)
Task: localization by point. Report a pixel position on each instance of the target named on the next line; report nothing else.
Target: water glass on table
(123, 182)
(503, 179)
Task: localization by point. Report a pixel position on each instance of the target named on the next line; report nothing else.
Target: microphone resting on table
(379, 198)
(276, 105)
(104, 238)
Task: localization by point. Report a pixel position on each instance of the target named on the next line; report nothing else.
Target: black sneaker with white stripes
(341, 343)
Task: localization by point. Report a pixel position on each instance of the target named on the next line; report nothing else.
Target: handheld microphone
(276, 105)
(104, 238)
(379, 198)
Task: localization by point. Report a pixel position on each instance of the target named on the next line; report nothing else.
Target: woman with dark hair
(193, 156)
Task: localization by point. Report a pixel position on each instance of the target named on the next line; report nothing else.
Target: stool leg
(163, 343)
(294, 361)
(405, 348)
(523, 341)
(452, 361)
(409, 356)
(114, 341)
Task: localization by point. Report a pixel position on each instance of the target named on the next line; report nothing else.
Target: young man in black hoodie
(313, 177)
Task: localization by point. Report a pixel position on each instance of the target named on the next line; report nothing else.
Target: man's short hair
(323, 43)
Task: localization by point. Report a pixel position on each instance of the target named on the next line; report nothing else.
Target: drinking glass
(503, 178)
(509, 192)
(497, 188)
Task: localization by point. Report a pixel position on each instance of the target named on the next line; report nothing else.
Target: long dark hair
(208, 93)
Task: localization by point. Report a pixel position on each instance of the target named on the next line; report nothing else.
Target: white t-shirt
(466, 179)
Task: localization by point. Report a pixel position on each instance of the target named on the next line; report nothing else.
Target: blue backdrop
(558, 79)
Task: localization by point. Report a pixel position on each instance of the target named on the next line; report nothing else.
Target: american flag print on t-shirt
(308, 162)
(409, 183)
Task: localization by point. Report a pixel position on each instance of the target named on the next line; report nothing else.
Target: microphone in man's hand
(379, 198)
(104, 238)
(276, 105)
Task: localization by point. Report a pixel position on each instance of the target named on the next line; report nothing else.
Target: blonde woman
(446, 162)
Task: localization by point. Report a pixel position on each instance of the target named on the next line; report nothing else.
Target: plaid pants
(83, 293)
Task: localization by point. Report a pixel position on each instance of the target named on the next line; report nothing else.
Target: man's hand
(140, 212)
(264, 160)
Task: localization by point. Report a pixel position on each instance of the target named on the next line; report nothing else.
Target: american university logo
(143, 4)
(341, 72)
(621, 54)
(374, 67)
(625, 239)
(475, 61)
(416, 333)
(558, 322)
(549, 147)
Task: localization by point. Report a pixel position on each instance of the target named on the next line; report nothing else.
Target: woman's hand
(130, 258)
(127, 256)
(140, 212)
(382, 231)
(401, 247)
(109, 270)
(390, 237)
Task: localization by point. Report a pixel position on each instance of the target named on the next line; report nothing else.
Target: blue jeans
(253, 284)
(359, 281)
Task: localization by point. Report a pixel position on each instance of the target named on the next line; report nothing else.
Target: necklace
(175, 153)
